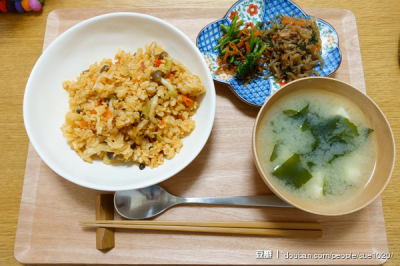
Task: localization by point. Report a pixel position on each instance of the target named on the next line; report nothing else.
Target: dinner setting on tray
(240, 135)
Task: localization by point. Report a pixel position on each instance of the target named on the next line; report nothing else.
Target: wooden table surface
(21, 41)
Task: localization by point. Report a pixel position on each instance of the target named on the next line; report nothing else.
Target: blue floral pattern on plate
(252, 11)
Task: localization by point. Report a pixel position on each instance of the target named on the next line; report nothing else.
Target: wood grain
(22, 40)
(292, 233)
(219, 165)
(270, 225)
(105, 237)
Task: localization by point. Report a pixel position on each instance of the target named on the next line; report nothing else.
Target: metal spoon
(150, 201)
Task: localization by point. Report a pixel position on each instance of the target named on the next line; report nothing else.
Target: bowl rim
(228, 84)
(276, 192)
(29, 94)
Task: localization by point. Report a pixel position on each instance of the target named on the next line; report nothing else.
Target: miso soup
(317, 145)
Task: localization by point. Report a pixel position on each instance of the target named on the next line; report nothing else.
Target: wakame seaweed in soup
(317, 145)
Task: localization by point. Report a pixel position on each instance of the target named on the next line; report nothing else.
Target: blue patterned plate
(252, 11)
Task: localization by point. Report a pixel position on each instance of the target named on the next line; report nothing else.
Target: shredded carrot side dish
(287, 47)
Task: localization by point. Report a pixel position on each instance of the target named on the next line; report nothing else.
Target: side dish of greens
(288, 47)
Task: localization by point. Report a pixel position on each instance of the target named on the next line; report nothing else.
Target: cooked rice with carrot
(137, 108)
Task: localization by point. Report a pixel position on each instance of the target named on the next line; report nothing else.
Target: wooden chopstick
(151, 225)
(265, 225)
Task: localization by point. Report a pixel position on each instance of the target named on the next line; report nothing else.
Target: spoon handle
(262, 201)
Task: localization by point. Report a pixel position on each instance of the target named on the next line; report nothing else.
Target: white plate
(46, 102)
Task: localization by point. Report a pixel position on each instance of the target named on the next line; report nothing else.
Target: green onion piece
(224, 27)
(313, 38)
(229, 34)
(168, 66)
(257, 42)
(251, 41)
(146, 109)
(237, 62)
(274, 154)
(240, 23)
(168, 63)
(172, 94)
(159, 138)
(233, 25)
(261, 50)
(223, 51)
(302, 46)
(227, 39)
(235, 34)
(250, 63)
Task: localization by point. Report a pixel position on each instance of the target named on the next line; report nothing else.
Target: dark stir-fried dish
(288, 47)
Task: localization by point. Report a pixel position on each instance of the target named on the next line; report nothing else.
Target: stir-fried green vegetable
(241, 50)
(249, 63)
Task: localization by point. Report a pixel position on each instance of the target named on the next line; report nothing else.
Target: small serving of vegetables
(297, 48)
(290, 48)
(242, 51)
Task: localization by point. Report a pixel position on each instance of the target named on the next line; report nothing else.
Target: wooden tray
(48, 230)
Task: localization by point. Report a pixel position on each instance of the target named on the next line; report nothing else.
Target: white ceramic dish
(46, 102)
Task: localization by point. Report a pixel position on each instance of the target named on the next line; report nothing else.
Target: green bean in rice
(137, 108)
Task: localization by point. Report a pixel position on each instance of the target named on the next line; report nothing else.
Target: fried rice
(137, 108)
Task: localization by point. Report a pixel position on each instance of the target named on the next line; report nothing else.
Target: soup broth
(317, 145)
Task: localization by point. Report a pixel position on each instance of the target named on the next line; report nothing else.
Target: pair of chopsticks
(276, 229)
